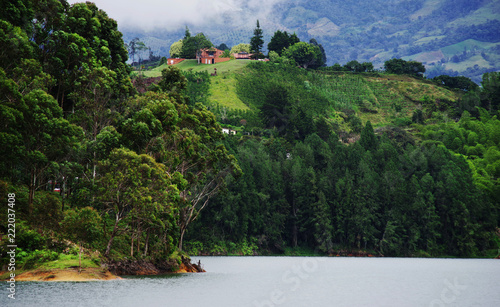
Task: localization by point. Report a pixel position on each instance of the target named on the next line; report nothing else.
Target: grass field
(223, 92)
(222, 87)
(193, 65)
(67, 261)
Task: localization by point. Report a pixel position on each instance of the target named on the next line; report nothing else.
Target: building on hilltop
(210, 56)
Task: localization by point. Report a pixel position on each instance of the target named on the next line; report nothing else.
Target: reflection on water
(285, 281)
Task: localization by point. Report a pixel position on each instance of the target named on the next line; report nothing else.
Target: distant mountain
(455, 37)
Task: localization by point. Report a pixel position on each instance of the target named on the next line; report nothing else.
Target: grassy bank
(65, 268)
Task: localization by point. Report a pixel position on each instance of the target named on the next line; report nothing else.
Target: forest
(324, 162)
(423, 185)
(93, 165)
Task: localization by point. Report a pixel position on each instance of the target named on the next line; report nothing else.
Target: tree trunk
(112, 237)
(183, 230)
(132, 246)
(138, 243)
(295, 228)
(146, 244)
(80, 260)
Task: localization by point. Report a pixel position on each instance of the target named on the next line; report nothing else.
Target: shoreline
(67, 274)
(111, 271)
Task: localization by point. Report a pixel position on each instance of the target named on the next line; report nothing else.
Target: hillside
(450, 37)
(347, 163)
(380, 98)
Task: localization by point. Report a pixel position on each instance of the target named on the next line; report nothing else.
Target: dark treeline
(395, 200)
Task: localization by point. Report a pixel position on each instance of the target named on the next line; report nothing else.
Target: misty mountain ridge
(454, 37)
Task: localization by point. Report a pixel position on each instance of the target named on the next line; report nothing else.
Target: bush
(28, 238)
(38, 257)
(402, 121)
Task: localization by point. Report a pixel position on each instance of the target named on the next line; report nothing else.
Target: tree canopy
(191, 45)
(281, 40)
(400, 66)
(305, 55)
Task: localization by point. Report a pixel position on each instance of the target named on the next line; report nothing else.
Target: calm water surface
(286, 281)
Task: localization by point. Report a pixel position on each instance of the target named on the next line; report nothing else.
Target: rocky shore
(138, 267)
(110, 271)
(69, 274)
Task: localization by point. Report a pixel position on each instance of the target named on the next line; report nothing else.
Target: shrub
(38, 257)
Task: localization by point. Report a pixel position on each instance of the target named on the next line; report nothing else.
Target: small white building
(228, 131)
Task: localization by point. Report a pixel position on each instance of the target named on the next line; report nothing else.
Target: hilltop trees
(314, 42)
(281, 41)
(135, 46)
(461, 83)
(192, 44)
(176, 49)
(305, 55)
(355, 66)
(241, 48)
(400, 66)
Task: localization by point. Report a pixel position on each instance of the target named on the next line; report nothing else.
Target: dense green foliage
(90, 161)
(399, 66)
(306, 55)
(373, 195)
(191, 45)
(281, 41)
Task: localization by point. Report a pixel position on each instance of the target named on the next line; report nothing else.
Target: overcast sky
(149, 14)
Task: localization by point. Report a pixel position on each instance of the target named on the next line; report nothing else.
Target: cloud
(173, 14)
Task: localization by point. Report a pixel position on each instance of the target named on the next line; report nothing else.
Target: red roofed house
(210, 56)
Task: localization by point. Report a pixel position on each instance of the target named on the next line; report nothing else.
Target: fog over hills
(456, 37)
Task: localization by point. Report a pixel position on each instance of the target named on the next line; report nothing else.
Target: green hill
(380, 98)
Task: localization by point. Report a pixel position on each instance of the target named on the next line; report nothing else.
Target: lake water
(286, 281)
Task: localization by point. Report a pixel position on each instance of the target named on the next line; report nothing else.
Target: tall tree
(256, 42)
(136, 46)
(132, 184)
